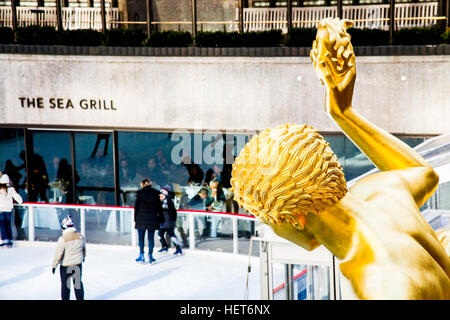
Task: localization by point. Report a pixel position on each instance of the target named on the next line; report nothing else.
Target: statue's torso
(395, 253)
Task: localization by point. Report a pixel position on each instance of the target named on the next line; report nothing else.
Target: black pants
(68, 274)
(171, 233)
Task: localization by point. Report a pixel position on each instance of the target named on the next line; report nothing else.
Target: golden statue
(290, 178)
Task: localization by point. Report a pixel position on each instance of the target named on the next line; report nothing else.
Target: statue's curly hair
(285, 173)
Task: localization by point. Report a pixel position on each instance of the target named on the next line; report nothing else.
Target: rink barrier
(134, 239)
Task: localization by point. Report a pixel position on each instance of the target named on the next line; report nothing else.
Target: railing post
(241, 16)
(191, 232)
(31, 235)
(149, 18)
(391, 21)
(83, 222)
(14, 14)
(59, 16)
(289, 17)
(103, 15)
(133, 231)
(235, 235)
(194, 19)
(339, 9)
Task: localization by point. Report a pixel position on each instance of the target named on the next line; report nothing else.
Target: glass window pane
(12, 157)
(279, 281)
(356, 163)
(94, 162)
(47, 221)
(216, 233)
(50, 168)
(12, 163)
(311, 282)
(337, 144)
(108, 226)
(246, 229)
(184, 161)
(443, 192)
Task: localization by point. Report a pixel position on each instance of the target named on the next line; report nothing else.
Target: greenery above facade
(298, 37)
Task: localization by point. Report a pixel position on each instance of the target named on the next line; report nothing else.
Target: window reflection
(94, 161)
(196, 166)
(50, 169)
(12, 163)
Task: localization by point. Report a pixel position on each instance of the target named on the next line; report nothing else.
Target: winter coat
(169, 213)
(148, 209)
(70, 249)
(6, 199)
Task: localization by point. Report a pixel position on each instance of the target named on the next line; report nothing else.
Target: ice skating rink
(110, 273)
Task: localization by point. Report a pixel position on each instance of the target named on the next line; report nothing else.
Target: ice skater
(147, 217)
(170, 218)
(70, 253)
(7, 196)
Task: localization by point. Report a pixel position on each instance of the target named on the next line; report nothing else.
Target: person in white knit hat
(7, 196)
(70, 253)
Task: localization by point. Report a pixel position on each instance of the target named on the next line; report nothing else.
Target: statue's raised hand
(334, 62)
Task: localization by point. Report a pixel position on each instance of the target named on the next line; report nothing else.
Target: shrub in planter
(446, 36)
(301, 37)
(80, 37)
(6, 35)
(124, 37)
(170, 39)
(45, 35)
(417, 36)
(218, 39)
(369, 37)
(271, 38)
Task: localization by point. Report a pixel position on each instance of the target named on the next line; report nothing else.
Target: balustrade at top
(72, 18)
(407, 15)
(255, 19)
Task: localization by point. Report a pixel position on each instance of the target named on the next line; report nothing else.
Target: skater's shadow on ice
(134, 284)
(24, 276)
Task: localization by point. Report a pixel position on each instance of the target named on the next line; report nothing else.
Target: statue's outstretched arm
(334, 61)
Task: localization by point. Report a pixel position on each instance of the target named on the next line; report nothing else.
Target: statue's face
(303, 238)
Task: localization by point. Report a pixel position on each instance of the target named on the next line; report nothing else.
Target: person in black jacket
(147, 217)
(170, 218)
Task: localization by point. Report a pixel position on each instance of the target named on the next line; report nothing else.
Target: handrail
(108, 207)
(274, 21)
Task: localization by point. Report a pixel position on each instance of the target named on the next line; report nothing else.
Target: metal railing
(115, 225)
(72, 18)
(255, 19)
(364, 16)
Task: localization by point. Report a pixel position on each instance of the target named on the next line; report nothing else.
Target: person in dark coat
(147, 217)
(170, 218)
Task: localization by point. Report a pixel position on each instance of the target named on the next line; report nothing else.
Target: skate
(151, 259)
(141, 259)
(178, 251)
(164, 249)
(9, 244)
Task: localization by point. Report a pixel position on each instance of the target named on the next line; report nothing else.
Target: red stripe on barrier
(281, 286)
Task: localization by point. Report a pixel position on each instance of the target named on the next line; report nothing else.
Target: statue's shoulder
(384, 182)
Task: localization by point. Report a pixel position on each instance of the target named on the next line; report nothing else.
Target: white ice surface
(110, 273)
